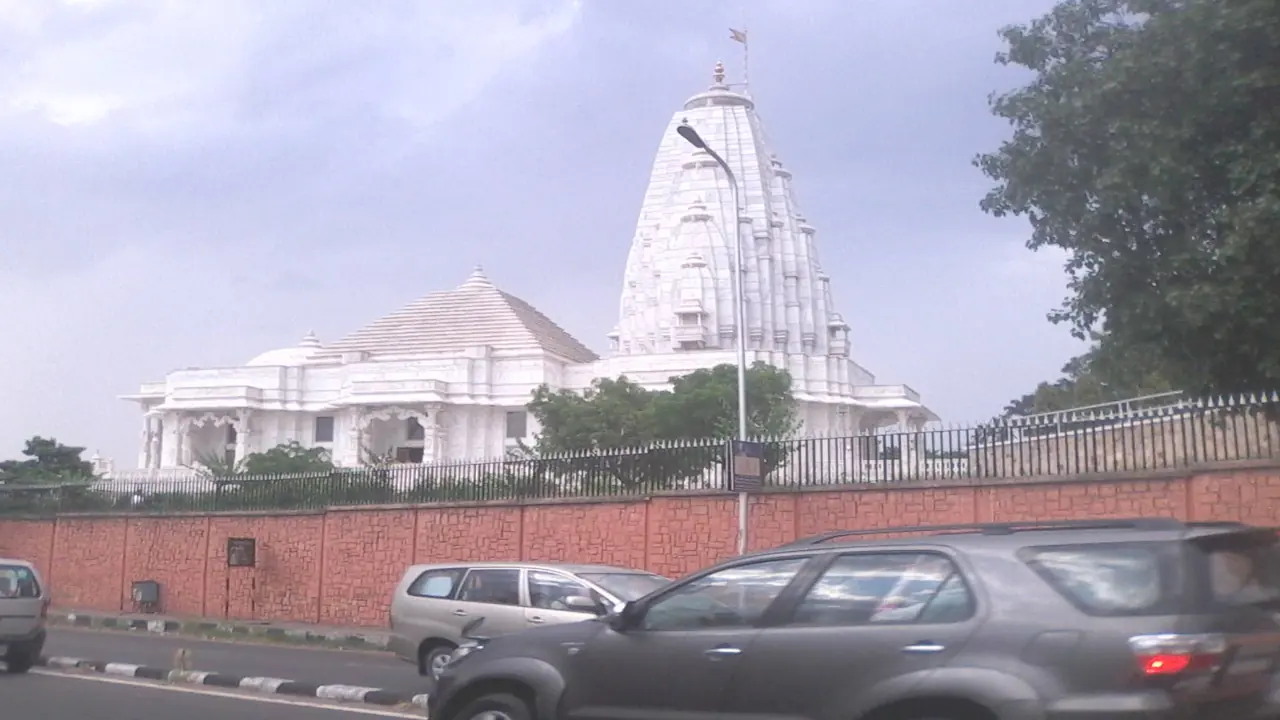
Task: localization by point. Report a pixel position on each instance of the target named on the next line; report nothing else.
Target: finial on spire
(718, 73)
(477, 278)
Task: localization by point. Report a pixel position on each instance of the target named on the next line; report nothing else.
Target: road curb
(344, 639)
(272, 686)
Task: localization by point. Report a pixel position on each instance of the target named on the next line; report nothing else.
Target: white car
(24, 607)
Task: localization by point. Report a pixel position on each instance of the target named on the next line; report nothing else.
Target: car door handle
(716, 653)
(924, 647)
(460, 613)
(536, 619)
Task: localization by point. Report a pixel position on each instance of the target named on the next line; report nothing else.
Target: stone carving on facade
(393, 412)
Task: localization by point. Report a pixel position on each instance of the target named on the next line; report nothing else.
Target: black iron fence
(1175, 435)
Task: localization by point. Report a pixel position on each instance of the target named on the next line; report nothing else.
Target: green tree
(610, 414)
(47, 461)
(617, 414)
(1107, 372)
(661, 428)
(218, 464)
(704, 403)
(1147, 146)
(290, 458)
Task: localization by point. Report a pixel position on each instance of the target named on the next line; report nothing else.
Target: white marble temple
(447, 376)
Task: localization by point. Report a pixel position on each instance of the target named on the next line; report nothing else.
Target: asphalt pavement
(309, 665)
(62, 697)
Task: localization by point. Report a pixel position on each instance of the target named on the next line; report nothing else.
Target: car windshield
(17, 581)
(627, 586)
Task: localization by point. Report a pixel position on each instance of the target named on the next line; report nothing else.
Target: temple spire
(688, 212)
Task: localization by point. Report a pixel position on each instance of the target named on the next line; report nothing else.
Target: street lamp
(687, 132)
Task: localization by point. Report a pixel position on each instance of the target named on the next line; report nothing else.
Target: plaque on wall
(242, 552)
(748, 466)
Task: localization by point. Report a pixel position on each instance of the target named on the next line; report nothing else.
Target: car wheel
(21, 658)
(499, 706)
(434, 660)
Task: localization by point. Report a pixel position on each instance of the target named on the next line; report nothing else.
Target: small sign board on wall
(242, 552)
(748, 466)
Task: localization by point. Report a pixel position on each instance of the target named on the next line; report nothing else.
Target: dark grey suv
(1087, 620)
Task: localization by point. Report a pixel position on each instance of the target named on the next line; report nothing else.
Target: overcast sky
(188, 183)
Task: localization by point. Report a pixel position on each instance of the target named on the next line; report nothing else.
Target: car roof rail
(1002, 528)
(1218, 524)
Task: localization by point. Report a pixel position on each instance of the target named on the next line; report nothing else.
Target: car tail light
(1166, 655)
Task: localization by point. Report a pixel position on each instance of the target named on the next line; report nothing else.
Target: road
(44, 694)
(308, 665)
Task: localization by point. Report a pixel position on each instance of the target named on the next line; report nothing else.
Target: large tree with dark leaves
(1147, 146)
(46, 461)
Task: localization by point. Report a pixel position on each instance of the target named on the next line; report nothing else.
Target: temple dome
(474, 314)
(294, 356)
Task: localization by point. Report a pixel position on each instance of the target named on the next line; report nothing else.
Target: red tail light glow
(1165, 655)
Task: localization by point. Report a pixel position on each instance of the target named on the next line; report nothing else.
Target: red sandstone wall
(338, 567)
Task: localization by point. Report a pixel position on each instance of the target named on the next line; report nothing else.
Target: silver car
(24, 606)
(432, 603)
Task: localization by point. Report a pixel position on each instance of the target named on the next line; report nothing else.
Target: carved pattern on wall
(367, 417)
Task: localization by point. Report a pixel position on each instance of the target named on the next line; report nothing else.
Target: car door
(21, 601)
(425, 610)
(493, 593)
(869, 618)
(548, 591)
(679, 651)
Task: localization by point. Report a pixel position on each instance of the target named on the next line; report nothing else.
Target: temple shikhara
(447, 376)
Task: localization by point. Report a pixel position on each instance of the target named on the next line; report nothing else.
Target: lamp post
(687, 132)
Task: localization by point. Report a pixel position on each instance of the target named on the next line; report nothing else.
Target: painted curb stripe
(268, 685)
(223, 681)
(299, 689)
(385, 698)
(149, 673)
(348, 693)
(185, 676)
(262, 684)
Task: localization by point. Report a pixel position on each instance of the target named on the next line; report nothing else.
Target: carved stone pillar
(353, 452)
(910, 430)
(155, 441)
(244, 434)
(144, 446)
(184, 441)
(434, 435)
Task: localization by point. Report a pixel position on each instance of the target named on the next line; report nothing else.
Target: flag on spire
(738, 36)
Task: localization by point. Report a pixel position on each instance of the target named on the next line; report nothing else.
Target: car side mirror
(624, 618)
(582, 603)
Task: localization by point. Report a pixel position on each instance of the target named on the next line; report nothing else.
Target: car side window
(18, 582)
(887, 588)
(495, 586)
(439, 584)
(550, 591)
(733, 597)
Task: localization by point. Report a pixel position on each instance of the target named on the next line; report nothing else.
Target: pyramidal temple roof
(473, 314)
